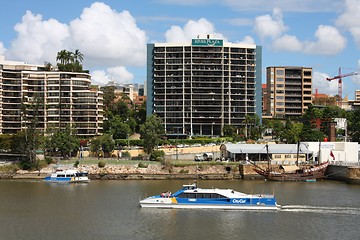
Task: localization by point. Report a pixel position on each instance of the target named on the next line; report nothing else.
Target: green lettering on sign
(207, 42)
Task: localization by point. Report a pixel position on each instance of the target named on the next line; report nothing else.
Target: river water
(32, 209)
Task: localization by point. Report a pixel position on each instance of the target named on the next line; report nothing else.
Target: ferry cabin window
(200, 195)
(80, 174)
(61, 175)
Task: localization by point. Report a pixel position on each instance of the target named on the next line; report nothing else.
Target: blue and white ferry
(68, 176)
(190, 196)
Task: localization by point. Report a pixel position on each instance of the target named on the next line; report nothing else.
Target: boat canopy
(289, 168)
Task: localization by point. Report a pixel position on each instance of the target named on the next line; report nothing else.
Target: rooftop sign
(207, 42)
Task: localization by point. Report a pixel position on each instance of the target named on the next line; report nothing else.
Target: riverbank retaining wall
(344, 173)
(156, 171)
(151, 171)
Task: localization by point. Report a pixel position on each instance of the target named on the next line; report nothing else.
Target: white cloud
(107, 37)
(2, 48)
(356, 78)
(247, 40)
(37, 40)
(191, 30)
(116, 74)
(323, 85)
(350, 19)
(270, 26)
(287, 43)
(329, 41)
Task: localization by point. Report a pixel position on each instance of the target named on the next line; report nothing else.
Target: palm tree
(63, 56)
(78, 56)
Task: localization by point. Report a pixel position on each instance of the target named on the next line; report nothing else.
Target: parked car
(199, 157)
(204, 157)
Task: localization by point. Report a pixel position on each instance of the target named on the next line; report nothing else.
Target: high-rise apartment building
(289, 91)
(200, 86)
(53, 99)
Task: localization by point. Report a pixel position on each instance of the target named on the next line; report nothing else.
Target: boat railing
(342, 163)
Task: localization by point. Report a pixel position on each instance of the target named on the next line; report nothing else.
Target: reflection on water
(110, 210)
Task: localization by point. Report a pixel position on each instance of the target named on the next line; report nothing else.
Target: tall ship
(191, 196)
(292, 173)
(311, 173)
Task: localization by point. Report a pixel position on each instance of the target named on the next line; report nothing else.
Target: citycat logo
(207, 42)
(239, 201)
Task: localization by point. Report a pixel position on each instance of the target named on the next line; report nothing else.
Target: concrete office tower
(289, 91)
(52, 98)
(199, 86)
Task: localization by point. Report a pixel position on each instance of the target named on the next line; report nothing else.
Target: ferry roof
(230, 193)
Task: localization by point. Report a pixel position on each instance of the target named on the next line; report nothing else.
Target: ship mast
(267, 156)
(297, 153)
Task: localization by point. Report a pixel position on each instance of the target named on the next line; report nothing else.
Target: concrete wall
(344, 173)
(346, 152)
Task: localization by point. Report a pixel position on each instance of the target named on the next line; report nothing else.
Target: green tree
(63, 141)
(252, 126)
(77, 56)
(109, 97)
(309, 130)
(119, 128)
(229, 131)
(69, 61)
(63, 56)
(29, 139)
(104, 144)
(5, 142)
(292, 131)
(151, 132)
(140, 115)
(353, 126)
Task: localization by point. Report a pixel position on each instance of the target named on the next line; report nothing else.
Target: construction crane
(339, 77)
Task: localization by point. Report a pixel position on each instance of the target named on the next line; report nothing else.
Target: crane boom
(339, 77)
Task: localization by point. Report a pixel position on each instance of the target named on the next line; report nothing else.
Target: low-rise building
(290, 154)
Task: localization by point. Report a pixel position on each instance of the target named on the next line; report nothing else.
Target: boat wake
(319, 209)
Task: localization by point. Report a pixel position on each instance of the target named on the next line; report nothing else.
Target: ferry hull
(207, 206)
(66, 180)
(255, 204)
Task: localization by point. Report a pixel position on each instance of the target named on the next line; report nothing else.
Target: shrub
(25, 165)
(157, 155)
(125, 154)
(48, 160)
(12, 168)
(76, 164)
(143, 165)
(101, 164)
(184, 171)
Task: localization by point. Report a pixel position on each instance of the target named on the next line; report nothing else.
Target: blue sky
(112, 35)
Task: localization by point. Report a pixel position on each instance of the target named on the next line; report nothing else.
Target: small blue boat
(190, 196)
(68, 176)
